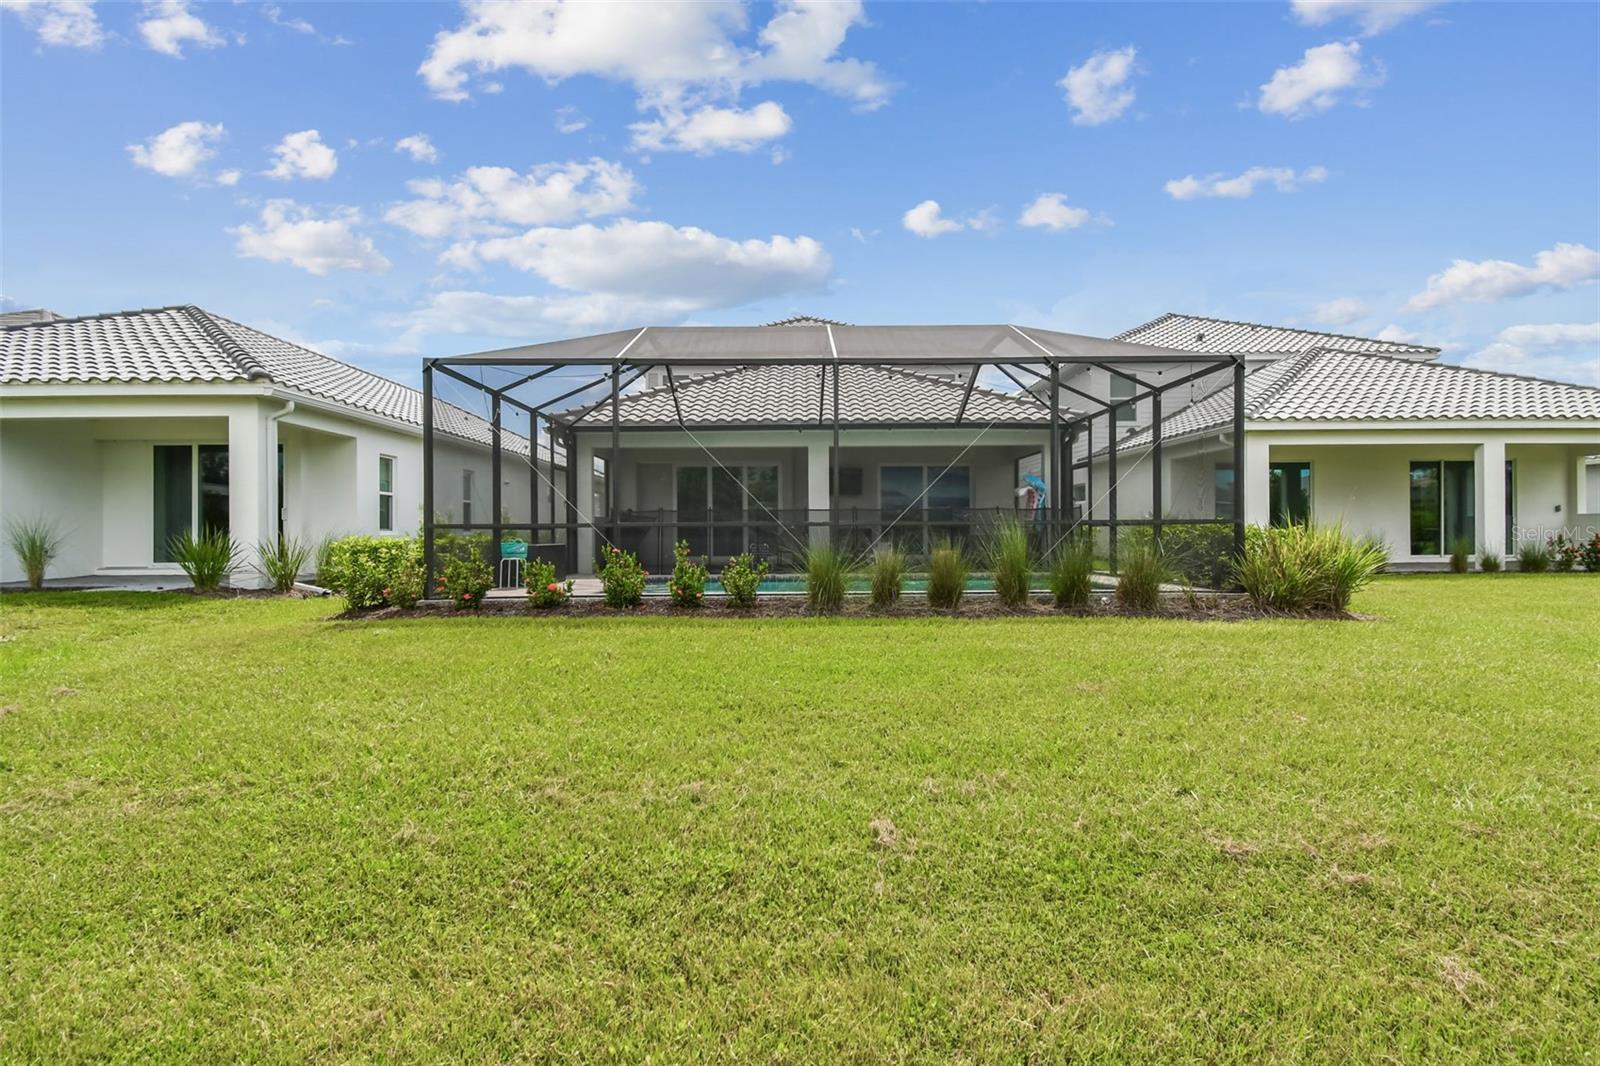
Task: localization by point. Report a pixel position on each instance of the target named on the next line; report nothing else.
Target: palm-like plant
(36, 542)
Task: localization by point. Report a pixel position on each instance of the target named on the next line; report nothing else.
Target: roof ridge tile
(227, 343)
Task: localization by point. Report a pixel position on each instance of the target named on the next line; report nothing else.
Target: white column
(819, 447)
(585, 501)
(252, 468)
(1489, 474)
(1255, 481)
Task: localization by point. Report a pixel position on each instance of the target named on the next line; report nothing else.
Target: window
(386, 493)
(1123, 389)
(190, 480)
(466, 497)
(1222, 490)
(1443, 507)
(724, 511)
(1289, 491)
(934, 502)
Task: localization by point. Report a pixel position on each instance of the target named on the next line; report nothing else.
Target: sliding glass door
(191, 480)
(723, 510)
(1443, 507)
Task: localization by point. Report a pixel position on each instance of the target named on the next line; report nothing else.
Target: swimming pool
(791, 584)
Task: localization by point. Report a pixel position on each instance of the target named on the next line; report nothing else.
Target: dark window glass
(1122, 389)
(466, 497)
(1425, 509)
(694, 505)
(727, 511)
(1460, 506)
(762, 481)
(213, 488)
(1290, 492)
(1511, 508)
(174, 496)
(1222, 490)
(385, 492)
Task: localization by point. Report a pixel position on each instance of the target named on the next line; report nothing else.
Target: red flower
(551, 586)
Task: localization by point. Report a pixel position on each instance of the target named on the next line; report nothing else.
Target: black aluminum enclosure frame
(1065, 428)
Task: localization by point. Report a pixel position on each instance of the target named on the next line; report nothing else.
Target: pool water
(657, 586)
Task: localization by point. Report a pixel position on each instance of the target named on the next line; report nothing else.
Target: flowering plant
(1563, 553)
(622, 578)
(687, 585)
(465, 575)
(543, 588)
(740, 579)
(1589, 553)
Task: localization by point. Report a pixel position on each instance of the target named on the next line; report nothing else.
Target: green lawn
(238, 830)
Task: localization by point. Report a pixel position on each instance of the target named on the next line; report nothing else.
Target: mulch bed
(1203, 609)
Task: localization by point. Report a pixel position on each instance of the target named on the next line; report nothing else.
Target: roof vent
(1200, 338)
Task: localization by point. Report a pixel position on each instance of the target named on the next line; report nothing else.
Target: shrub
(544, 591)
(373, 571)
(741, 578)
(1461, 556)
(1069, 575)
(464, 573)
(1533, 558)
(282, 560)
(1589, 553)
(208, 559)
(888, 575)
(827, 577)
(947, 575)
(1563, 553)
(36, 543)
(687, 585)
(622, 579)
(1201, 552)
(1011, 561)
(1489, 562)
(1140, 574)
(1297, 567)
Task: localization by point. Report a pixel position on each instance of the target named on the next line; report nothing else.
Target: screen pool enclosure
(774, 439)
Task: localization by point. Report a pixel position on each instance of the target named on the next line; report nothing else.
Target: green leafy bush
(1202, 552)
(947, 575)
(741, 578)
(1489, 562)
(687, 585)
(1069, 575)
(1299, 567)
(827, 577)
(622, 579)
(282, 561)
(544, 591)
(464, 573)
(1533, 558)
(888, 575)
(1563, 553)
(1010, 558)
(1141, 571)
(1461, 556)
(371, 572)
(1589, 554)
(208, 559)
(36, 543)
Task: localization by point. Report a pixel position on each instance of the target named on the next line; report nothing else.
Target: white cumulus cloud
(711, 129)
(1097, 89)
(303, 155)
(1052, 212)
(927, 220)
(1398, 334)
(179, 152)
(1374, 16)
(288, 232)
(1242, 186)
(1340, 312)
(418, 147)
(1316, 83)
(1565, 351)
(1487, 280)
(682, 267)
(60, 23)
(490, 200)
(168, 24)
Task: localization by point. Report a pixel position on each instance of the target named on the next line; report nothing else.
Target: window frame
(1273, 518)
(749, 518)
(467, 493)
(386, 496)
(197, 493)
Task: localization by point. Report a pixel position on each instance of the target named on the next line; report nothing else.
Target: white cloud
(178, 152)
(1098, 88)
(229, 177)
(291, 233)
(167, 24)
(1242, 186)
(711, 129)
(1340, 312)
(465, 312)
(487, 200)
(1565, 351)
(927, 220)
(1050, 211)
(1487, 280)
(60, 23)
(570, 120)
(418, 147)
(683, 267)
(1316, 82)
(1398, 334)
(275, 16)
(1375, 16)
(303, 155)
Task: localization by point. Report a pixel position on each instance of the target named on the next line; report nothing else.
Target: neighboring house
(126, 428)
(1374, 435)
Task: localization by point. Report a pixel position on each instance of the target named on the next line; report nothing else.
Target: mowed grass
(239, 830)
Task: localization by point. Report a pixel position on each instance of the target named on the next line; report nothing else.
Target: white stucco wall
(36, 461)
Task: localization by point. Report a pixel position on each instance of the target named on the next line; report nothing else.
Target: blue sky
(1427, 171)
